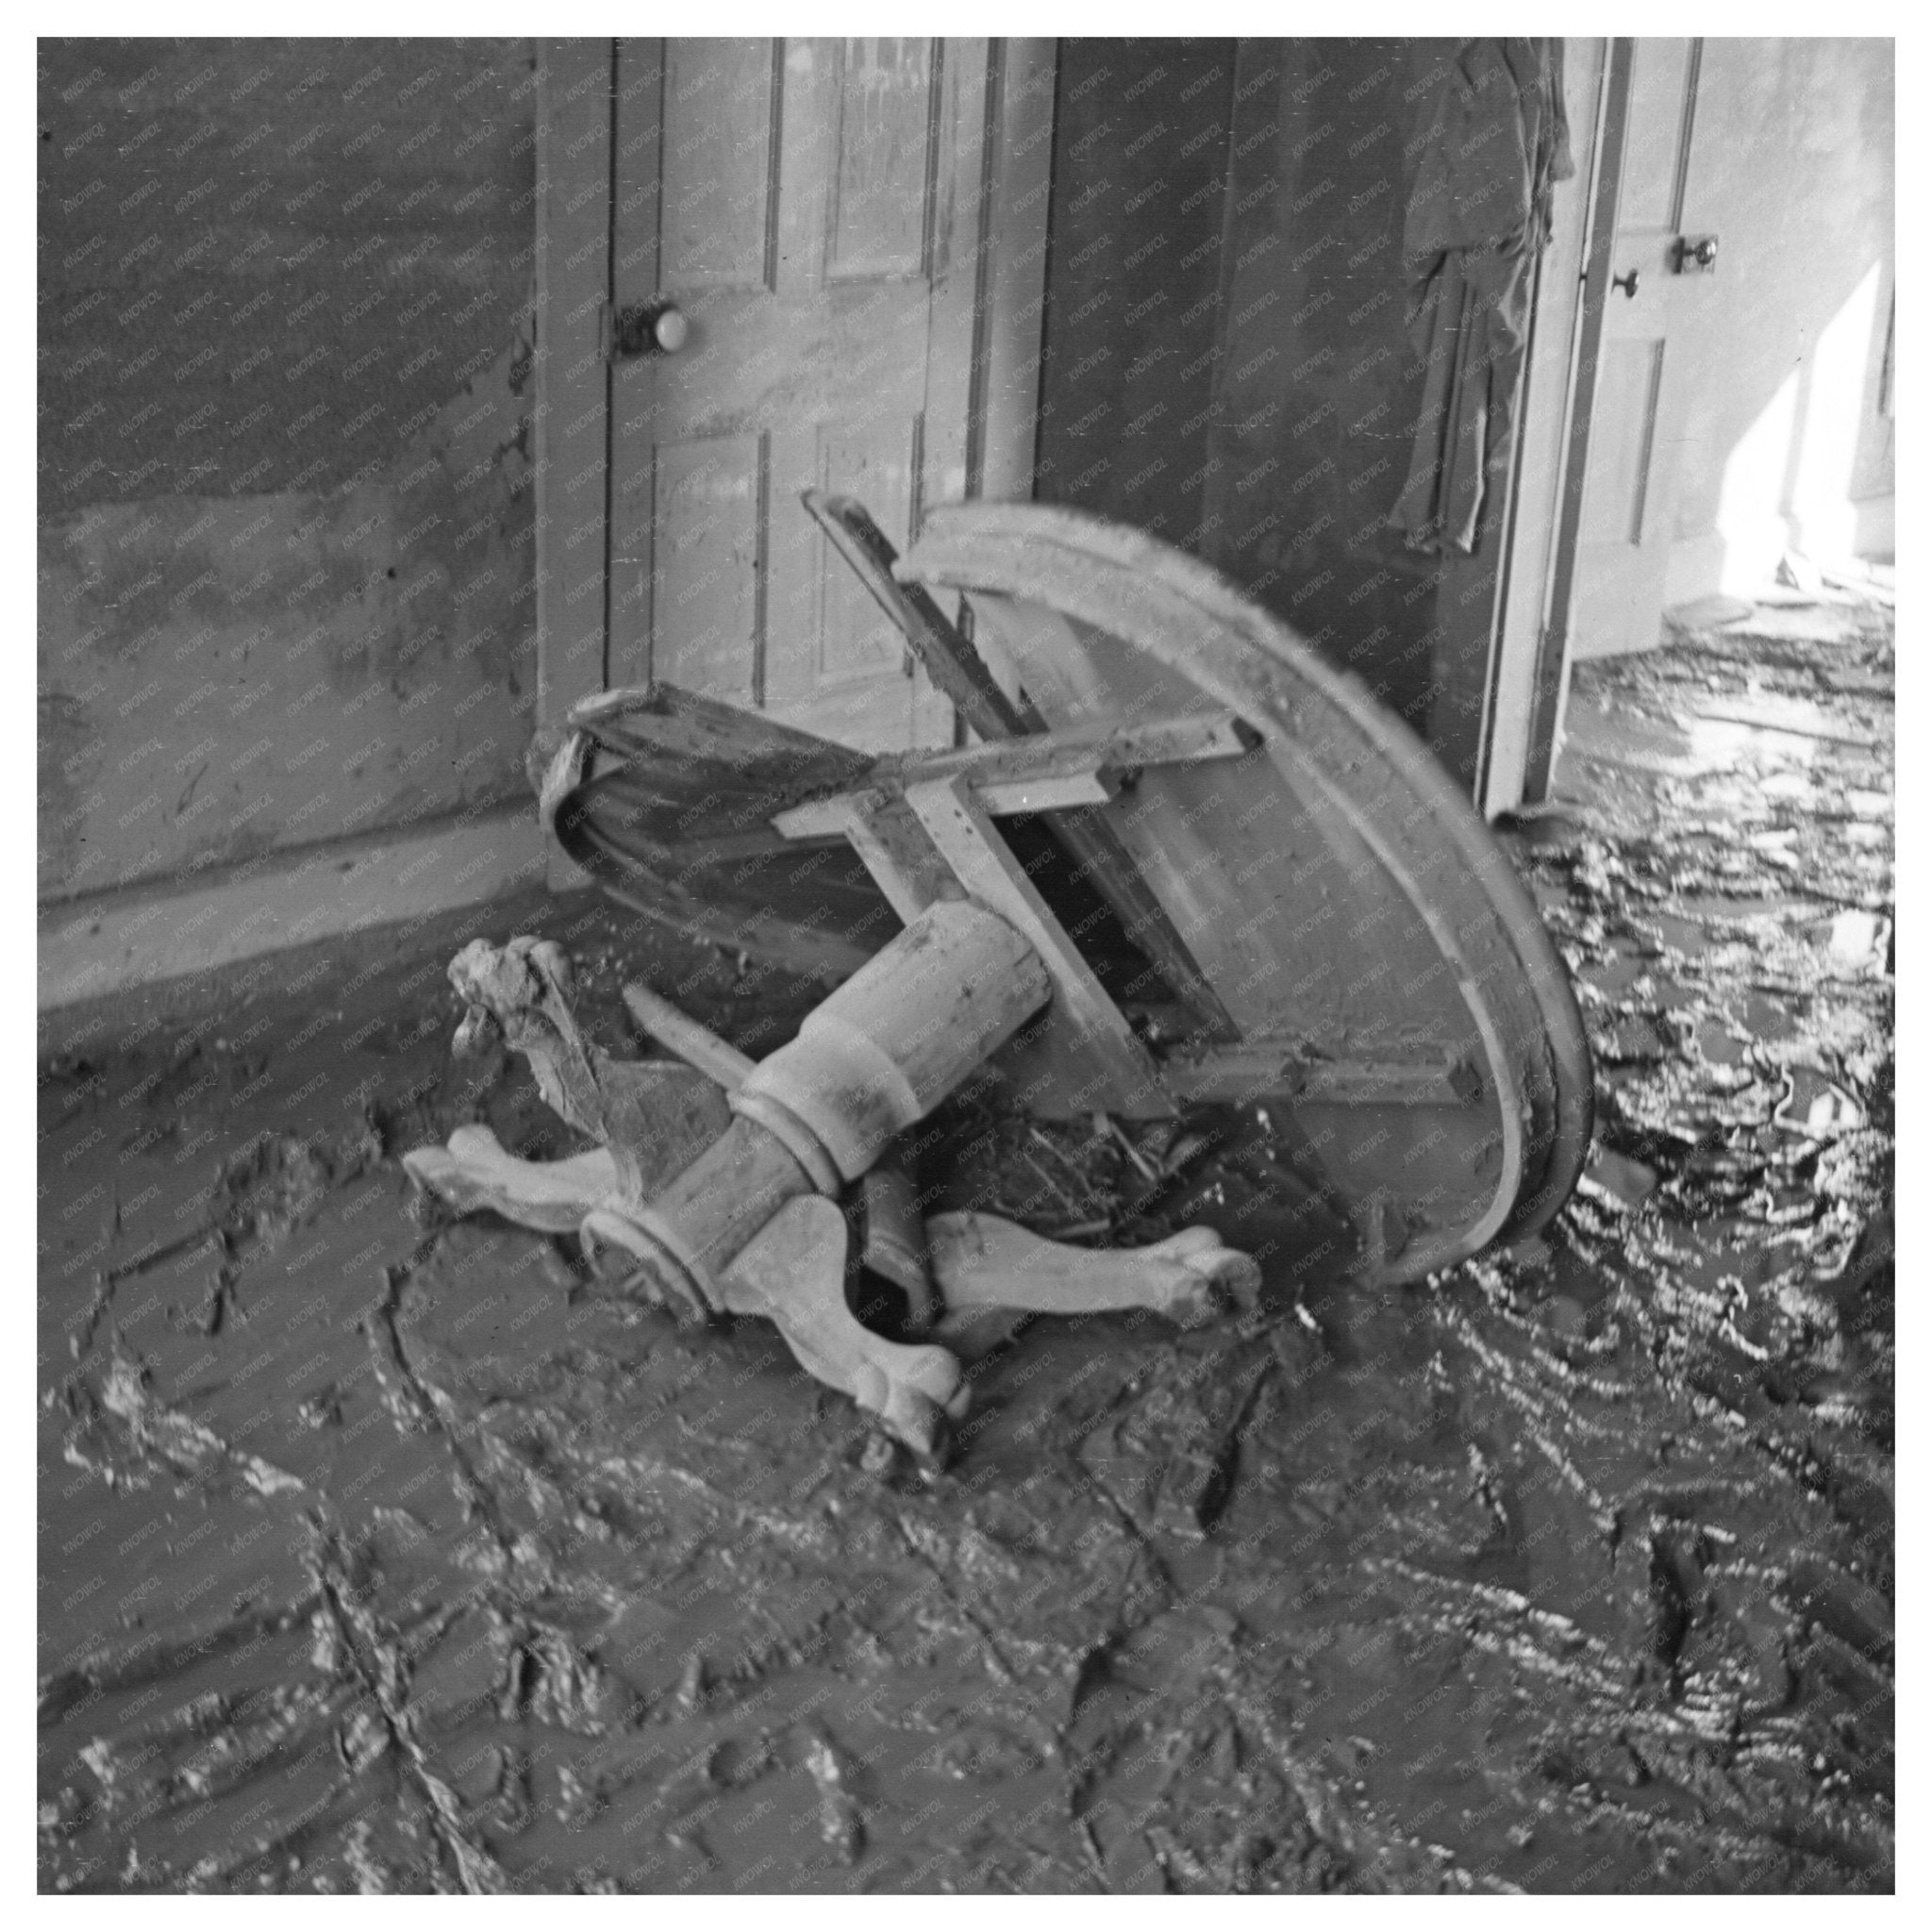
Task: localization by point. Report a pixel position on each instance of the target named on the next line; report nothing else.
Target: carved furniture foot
(794, 1274)
(981, 1261)
(473, 1172)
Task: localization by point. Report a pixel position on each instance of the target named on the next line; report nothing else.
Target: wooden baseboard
(112, 943)
(1876, 528)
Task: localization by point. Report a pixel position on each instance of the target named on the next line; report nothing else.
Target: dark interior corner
(1227, 358)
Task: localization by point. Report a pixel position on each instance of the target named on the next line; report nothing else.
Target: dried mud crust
(381, 1555)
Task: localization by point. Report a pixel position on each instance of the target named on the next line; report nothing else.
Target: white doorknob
(658, 327)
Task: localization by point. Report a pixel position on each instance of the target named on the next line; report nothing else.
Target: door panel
(882, 178)
(857, 640)
(812, 205)
(718, 100)
(1624, 542)
(706, 576)
(1628, 378)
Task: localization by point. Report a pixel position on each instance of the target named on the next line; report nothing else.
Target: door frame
(575, 214)
(1531, 682)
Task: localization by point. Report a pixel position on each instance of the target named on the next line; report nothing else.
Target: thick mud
(378, 1554)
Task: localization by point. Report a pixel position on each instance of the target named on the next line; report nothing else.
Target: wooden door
(812, 207)
(1627, 512)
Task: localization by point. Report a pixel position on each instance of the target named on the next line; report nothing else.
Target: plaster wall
(1133, 316)
(285, 585)
(1319, 388)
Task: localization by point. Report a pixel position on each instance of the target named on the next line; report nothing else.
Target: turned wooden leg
(794, 1274)
(981, 1261)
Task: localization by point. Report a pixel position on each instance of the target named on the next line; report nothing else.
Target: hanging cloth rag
(1494, 144)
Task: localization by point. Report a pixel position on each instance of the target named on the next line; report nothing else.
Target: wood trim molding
(1544, 451)
(1550, 689)
(112, 943)
(574, 80)
(1013, 323)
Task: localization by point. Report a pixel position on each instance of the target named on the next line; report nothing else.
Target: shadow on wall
(1227, 359)
(1134, 267)
(285, 536)
(1791, 481)
(1320, 390)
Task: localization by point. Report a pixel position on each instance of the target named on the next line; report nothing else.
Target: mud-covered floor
(384, 1555)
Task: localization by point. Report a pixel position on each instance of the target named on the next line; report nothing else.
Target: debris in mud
(146, 1440)
(1614, 1178)
(841, 1826)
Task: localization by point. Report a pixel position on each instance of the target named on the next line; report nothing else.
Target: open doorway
(1728, 367)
